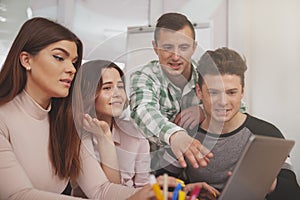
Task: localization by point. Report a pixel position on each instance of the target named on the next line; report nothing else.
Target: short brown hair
(172, 21)
(221, 61)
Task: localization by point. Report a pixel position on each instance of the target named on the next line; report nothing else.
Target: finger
(229, 173)
(182, 116)
(87, 117)
(85, 122)
(194, 124)
(172, 182)
(191, 157)
(177, 119)
(213, 191)
(186, 122)
(182, 162)
(199, 157)
(204, 151)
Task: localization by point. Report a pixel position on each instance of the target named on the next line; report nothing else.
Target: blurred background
(266, 32)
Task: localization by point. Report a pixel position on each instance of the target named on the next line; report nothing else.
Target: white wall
(268, 34)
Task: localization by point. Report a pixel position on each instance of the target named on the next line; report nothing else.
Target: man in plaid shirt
(163, 101)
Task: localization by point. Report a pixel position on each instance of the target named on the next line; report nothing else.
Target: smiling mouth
(116, 103)
(222, 110)
(175, 65)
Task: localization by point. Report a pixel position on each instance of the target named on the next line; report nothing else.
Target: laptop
(257, 168)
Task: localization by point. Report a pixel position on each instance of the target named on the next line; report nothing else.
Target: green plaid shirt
(155, 101)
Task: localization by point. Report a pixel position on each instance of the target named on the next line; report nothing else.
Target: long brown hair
(64, 143)
(91, 81)
(88, 82)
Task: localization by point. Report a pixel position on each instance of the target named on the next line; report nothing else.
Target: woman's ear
(25, 60)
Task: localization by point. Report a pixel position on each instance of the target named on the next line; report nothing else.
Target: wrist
(172, 137)
(176, 134)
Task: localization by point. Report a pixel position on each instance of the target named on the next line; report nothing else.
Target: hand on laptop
(273, 186)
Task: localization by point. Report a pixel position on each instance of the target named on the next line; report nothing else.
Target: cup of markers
(178, 193)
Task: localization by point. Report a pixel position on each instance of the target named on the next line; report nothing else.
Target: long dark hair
(35, 35)
(87, 84)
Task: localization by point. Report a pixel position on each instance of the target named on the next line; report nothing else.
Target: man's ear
(25, 59)
(195, 46)
(155, 47)
(198, 91)
(243, 91)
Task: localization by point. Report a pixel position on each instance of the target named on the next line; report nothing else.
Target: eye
(167, 47)
(184, 47)
(121, 86)
(232, 92)
(58, 58)
(74, 62)
(212, 92)
(106, 88)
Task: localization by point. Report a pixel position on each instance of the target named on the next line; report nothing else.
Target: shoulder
(261, 127)
(4, 108)
(8, 109)
(7, 113)
(151, 69)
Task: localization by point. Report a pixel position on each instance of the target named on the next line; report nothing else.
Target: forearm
(142, 164)
(286, 187)
(33, 194)
(153, 123)
(93, 181)
(109, 160)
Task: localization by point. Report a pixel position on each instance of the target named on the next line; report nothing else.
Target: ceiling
(97, 22)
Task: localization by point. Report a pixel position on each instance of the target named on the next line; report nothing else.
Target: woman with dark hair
(40, 148)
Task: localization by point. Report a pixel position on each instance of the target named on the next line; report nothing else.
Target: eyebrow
(65, 52)
(61, 49)
(110, 82)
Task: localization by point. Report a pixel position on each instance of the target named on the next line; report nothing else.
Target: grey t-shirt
(226, 148)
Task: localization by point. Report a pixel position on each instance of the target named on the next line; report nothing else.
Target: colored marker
(195, 193)
(181, 195)
(165, 187)
(180, 181)
(176, 191)
(155, 187)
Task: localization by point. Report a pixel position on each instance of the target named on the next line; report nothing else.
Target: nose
(175, 54)
(71, 68)
(223, 99)
(117, 91)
